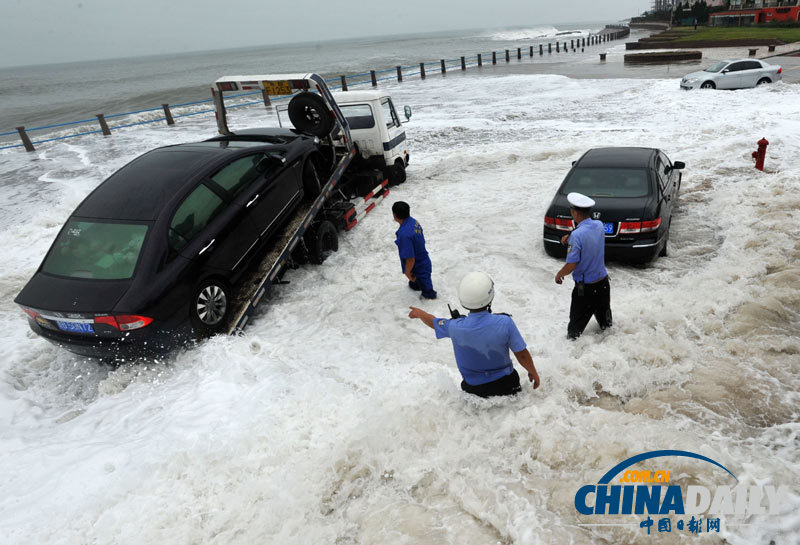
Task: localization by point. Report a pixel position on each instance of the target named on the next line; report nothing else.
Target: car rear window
(359, 116)
(608, 182)
(102, 251)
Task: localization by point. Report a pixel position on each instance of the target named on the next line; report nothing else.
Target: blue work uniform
(587, 248)
(411, 244)
(591, 295)
(481, 342)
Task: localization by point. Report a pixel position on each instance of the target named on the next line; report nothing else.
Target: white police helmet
(476, 291)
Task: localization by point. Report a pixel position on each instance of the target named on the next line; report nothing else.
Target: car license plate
(609, 227)
(75, 327)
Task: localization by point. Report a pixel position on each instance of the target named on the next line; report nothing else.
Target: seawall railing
(166, 112)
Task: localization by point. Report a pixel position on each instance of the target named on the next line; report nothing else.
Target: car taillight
(629, 227)
(124, 322)
(564, 224)
(652, 225)
(549, 222)
(29, 311)
(780, 69)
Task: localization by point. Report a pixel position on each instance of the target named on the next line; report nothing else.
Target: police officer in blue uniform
(481, 341)
(414, 260)
(591, 295)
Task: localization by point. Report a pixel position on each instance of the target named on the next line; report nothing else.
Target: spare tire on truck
(309, 114)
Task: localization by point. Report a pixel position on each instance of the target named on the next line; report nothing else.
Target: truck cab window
(359, 116)
(389, 114)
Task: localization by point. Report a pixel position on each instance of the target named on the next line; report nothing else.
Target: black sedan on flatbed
(149, 257)
(634, 190)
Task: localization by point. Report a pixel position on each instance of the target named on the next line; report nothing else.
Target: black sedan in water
(634, 190)
(149, 257)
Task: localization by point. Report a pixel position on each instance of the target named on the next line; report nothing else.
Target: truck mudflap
(370, 200)
(258, 283)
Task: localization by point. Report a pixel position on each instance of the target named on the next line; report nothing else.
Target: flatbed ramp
(257, 283)
(250, 291)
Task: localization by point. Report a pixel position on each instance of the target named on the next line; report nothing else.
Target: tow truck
(354, 184)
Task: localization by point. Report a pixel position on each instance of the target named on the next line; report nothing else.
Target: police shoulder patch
(441, 323)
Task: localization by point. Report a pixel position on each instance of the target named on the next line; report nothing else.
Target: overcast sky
(51, 31)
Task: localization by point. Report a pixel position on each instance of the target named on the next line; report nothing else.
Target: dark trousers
(595, 301)
(505, 386)
(424, 284)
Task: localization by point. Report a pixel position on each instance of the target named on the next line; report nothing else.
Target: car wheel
(210, 307)
(763, 81)
(309, 114)
(708, 85)
(321, 240)
(397, 173)
(311, 184)
(665, 250)
(555, 250)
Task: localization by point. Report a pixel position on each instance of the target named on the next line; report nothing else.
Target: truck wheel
(209, 307)
(311, 183)
(397, 173)
(321, 242)
(309, 114)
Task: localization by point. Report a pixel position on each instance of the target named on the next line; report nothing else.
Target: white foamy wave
(536, 33)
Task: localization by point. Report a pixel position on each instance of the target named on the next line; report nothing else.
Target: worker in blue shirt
(414, 260)
(591, 295)
(481, 341)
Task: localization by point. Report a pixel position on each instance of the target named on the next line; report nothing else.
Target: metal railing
(342, 82)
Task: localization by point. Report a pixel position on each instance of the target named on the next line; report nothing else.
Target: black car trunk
(611, 210)
(71, 295)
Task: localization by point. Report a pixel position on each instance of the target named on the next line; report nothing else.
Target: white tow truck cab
(376, 130)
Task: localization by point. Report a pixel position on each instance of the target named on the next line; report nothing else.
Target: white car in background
(733, 74)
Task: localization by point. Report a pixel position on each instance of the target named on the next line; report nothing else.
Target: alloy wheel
(211, 305)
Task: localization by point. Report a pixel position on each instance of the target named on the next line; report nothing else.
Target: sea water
(336, 419)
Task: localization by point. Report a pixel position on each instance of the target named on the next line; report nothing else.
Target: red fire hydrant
(760, 154)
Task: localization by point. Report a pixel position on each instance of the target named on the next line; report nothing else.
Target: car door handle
(206, 247)
(252, 201)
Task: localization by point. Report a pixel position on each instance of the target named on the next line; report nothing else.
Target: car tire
(552, 250)
(764, 81)
(309, 114)
(665, 249)
(708, 85)
(397, 173)
(321, 240)
(311, 183)
(209, 307)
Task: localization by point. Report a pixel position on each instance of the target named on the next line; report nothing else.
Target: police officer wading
(481, 341)
(591, 295)
(414, 260)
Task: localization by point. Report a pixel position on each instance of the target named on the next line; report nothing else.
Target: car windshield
(717, 67)
(101, 251)
(608, 182)
(359, 116)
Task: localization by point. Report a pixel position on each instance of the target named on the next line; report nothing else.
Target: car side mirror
(725, 71)
(407, 111)
(678, 165)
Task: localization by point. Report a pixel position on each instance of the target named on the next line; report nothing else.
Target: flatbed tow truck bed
(333, 202)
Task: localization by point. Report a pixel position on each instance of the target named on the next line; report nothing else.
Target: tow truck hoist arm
(279, 85)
